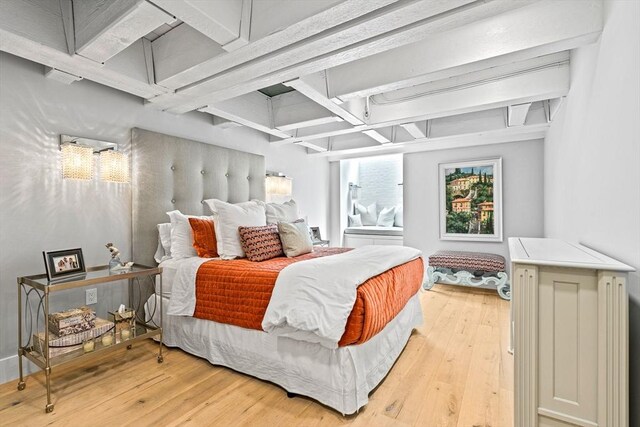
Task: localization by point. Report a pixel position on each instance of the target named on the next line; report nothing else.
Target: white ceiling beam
(517, 114)
(314, 87)
(219, 122)
(294, 33)
(538, 29)
(553, 107)
(103, 28)
(389, 28)
(377, 136)
(319, 145)
(226, 22)
(500, 136)
(60, 76)
(60, 59)
(416, 130)
(535, 85)
(252, 110)
(292, 110)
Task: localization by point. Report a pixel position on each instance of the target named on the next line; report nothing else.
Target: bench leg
(431, 280)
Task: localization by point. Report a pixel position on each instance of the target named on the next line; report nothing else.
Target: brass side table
(37, 290)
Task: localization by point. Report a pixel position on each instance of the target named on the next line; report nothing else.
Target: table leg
(21, 383)
(47, 370)
(160, 358)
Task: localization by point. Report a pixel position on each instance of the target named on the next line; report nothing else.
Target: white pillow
(280, 212)
(385, 219)
(355, 220)
(295, 238)
(182, 235)
(163, 252)
(398, 221)
(228, 217)
(369, 214)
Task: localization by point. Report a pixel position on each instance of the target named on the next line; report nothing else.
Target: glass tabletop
(100, 274)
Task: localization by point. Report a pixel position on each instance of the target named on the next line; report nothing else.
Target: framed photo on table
(64, 263)
(471, 200)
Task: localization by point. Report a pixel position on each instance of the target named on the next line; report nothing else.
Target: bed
(174, 173)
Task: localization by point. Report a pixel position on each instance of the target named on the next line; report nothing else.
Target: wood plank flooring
(455, 371)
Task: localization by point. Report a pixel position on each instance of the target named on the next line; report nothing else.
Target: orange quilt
(237, 292)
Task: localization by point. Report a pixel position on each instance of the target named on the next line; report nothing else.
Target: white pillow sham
(281, 212)
(355, 220)
(228, 217)
(386, 217)
(398, 221)
(163, 252)
(369, 214)
(182, 235)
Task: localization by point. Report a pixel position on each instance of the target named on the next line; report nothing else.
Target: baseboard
(9, 368)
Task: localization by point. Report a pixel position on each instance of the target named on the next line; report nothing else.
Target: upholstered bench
(470, 269)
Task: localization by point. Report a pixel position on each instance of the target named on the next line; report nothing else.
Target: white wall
(592, 158)
(522, 186)
(40, 211)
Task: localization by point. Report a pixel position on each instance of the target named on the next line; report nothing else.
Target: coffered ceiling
(340, 77)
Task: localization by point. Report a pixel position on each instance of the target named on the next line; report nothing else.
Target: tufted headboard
(176, 173)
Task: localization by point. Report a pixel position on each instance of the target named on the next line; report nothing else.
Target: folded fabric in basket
(64, 344)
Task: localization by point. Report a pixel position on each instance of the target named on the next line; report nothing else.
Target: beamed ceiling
(342, 78)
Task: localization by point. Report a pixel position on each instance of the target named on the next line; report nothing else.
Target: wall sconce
(354, 190)
(278, 185)
(77, 159)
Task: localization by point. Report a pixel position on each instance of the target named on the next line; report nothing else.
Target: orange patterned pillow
(204, 237)
(260, 243)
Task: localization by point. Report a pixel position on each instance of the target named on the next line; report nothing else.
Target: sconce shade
(278, 185)
(114, 166)
(77, 162)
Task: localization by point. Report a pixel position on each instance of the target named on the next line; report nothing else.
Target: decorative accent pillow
(228, 217)
(355, 220)
(295, 237)
(281, 212)
(204, 237)
(386, 217)
(181, 235)
(163, 252)
(261, 243)
(369, 214)
(398, 221)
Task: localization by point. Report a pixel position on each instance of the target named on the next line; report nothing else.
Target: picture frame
(315, 234)
(64, 263)
(470, 204)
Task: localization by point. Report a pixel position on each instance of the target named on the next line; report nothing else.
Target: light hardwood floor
(455, 371)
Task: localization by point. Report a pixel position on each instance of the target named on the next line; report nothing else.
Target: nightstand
(36, 291)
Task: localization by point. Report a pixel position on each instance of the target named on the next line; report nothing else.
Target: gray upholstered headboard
(175, 173)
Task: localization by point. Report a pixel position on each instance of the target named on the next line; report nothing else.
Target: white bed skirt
(341, 378)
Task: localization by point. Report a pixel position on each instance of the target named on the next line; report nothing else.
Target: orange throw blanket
(237, 292)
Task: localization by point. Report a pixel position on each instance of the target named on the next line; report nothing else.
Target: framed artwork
(471, 200)
(64, 263)
(315, 234)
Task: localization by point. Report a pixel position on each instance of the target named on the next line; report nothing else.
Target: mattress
(375, 230)
(339, 378)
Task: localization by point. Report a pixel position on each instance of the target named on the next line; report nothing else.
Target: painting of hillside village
(469, 206)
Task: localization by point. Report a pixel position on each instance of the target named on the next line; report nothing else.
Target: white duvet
(312, 299)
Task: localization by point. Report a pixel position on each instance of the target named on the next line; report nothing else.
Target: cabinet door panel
(568, 342)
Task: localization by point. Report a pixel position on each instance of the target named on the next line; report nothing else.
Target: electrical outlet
(91, 296)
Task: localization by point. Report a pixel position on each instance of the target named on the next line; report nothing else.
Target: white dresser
(570, 335)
